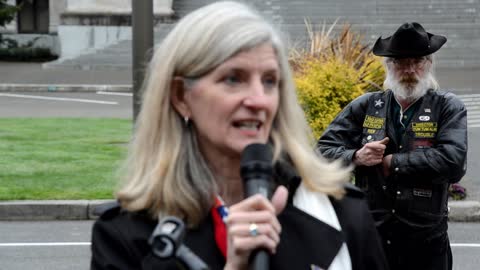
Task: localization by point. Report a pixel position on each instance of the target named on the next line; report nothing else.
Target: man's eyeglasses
(415, 61)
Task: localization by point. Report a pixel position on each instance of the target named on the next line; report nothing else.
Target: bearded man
(408, 144)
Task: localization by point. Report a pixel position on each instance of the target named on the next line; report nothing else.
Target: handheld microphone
(166, 241)
(256, 171)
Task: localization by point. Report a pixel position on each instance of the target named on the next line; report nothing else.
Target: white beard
(409, 92)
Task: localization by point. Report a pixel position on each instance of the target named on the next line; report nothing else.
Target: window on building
(33, 16)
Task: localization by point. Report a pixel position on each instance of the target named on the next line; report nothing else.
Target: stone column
(56, 7)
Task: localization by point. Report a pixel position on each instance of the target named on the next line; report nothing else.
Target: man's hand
(371, 153)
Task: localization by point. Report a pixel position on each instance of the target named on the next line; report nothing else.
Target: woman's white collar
(317, 205)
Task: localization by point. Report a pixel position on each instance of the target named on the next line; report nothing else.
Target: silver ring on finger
(253, 229)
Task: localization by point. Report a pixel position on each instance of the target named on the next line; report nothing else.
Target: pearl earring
(186, 119)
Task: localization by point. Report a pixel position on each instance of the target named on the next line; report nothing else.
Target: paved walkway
(31, 77)
(33, 73)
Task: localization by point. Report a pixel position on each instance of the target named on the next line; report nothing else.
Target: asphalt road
(51, 245)
(59, 245)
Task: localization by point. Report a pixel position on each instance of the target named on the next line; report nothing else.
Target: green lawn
(61, 158)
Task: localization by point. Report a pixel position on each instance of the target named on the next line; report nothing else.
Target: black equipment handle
(167, 243)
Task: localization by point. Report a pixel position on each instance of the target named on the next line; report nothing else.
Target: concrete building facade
(70, 27)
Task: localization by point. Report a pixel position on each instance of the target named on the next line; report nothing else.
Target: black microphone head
(256, 169)
(256, 152)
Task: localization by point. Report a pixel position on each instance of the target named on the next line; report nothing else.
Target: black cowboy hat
(410, 40)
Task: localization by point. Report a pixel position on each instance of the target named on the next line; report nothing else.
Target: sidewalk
(32, 77)
(33, 73)
(49, 210)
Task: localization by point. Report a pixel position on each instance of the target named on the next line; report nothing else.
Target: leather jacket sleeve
(445, 161)
(343, 136)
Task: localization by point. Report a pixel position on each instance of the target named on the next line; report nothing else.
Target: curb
(15, 87)
(459, 211)
(464, 211)
(49, 210)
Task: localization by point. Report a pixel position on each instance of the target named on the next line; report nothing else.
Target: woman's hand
(243, 217)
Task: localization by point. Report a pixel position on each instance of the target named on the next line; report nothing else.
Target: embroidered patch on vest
(373, 122)
(425, 129)
(379, 103)
(422, 143)
(427, 193)
(424, 118)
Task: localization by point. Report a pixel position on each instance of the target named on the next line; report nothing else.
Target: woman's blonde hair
(166, 173)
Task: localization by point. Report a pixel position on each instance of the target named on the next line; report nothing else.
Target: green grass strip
(61, 158)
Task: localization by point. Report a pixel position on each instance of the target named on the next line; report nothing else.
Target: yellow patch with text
(425, 129)
(373, 122)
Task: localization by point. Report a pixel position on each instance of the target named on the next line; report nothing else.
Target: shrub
(7, 12)
(28, 54)
(324, 89)
(11, 50)
(331, 71)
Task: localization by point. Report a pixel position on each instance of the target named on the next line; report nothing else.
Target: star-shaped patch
(379, 103)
